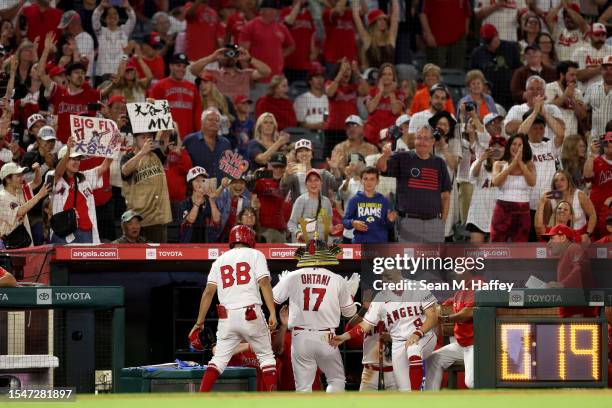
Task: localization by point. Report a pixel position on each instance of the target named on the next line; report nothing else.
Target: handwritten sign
(95, 136)
(150, 117)
(233, 164)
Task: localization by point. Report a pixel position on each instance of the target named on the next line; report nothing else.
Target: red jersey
(176, 168)
(67, 103)
(184, 100)
(342, 105)
(204, 28)
(83, 220)
(156, 65)
(339, 36)
(447, 19)
(235, 24)
(41, 22)
(281, 108)
(464, 332)
(605, 240)
(103, 194)
(266, 42)
(271, 199)
(382, 117)
(302, 31)
(601, 189)
(248, 359)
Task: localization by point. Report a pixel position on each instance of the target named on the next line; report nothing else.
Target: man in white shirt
(570, 38)
(503, 14)
(599, 97)
(439, 94)
(564, 94)
(71, 22)
(312, 107)
(590, 56)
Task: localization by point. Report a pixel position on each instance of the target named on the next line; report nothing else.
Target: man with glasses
(591, 56)
(423, 188)
(354, 142)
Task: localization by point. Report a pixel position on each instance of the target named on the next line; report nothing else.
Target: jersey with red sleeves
(401, 313)
(316, 296)
(236, 274)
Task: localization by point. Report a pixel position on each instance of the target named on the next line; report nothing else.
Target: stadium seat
(454, 79)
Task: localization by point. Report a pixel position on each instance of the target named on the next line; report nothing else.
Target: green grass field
(447, 399)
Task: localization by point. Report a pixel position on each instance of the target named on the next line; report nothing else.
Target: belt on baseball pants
(317, 330)
(387, 369)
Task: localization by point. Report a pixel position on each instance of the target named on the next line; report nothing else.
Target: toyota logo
(43, 296)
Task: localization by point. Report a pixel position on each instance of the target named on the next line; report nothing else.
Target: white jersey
(483, 198)
(588, 57)
(545, 155)
(402, 315)
(311, 109)
(567, 42)
(419, 120)
(371, 347)
(601, 103)
(553, 91)
(316, 296)
(236, 274)
(504, 19)
(517, 111)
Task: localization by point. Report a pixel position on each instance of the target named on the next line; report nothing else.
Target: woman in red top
(342, 93)
(385, 103)
(277, 102)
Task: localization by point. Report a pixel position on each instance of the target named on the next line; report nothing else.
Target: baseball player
(316, 297)
(410, 317)
(237, 276)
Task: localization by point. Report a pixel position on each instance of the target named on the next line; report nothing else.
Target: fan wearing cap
(591, 55)
(354, 142)
(205, 30)
(302, 28)
(343, 91)
(569, 36)
(152, 47)
(311, 108)
(16, 201)
(277, 102)
(432, 75)
(378, 40)
(182, 96)
(43, 151)
(384, 103)
(233, 197)
(33, 125)
(71, 23)
(598, 168)
(130, 225)
(502, 14)
(130, 86)
(243, 126)
(198, 212)
(598, 98)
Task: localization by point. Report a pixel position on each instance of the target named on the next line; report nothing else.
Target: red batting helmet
(243, 234)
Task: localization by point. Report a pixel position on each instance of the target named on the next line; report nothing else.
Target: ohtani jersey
(316, 296)
(236, 274)
(371, 347)
(402, 314)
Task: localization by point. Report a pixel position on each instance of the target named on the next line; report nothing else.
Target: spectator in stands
(130, 225)
(241, 131)
(423, 188)
(145, 187)
(385, 103)
(312, 107)
(515, 175)
(112, 37)
(531, 27)
(569, 36)
(129, 85)
(608, 238)
(369, 213)
(302, 28)
(248, 216)
(563, 189)
(71, 23)
(267, 39)
(16, 201)
(563, 214)
(481, 102)
(533, 66)
(267, 140)
(67, 51)
(152, 50)
(591, 56)
(485, 193)
(33, 100)
(230, 78)
(199, 211)
(445, 26)
(231, 200)
(573, 157)
(277, 102)
(311, 208)
(343, 91)
(41, 19)
(182, 96)
(420, 102)
(68, 180)
(204, 30)
(340, 44)
(8, 39)
(438, 96)
(7, 280)
(247, 11)
(598, 168)
(354, 142)
(599, 98)
(206, 146)
(565, 94)
(379, 39)
(176, 166)
(273, 212)
(210, 97)
(546, 44)
(26, 57)
(163, 34)
(497, 59)
(503, 15)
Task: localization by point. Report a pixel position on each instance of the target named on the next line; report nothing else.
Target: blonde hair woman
(378, 41)
(266, 141)
(573, 157)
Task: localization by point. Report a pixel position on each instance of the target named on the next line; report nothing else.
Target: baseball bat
(381, 359)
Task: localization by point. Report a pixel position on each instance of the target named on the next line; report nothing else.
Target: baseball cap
(354, 119)
(598, 28)
(64, 150)
(278, 159)
(561, 230)
(204, 76)
(116, 98)
(313, 172)
(607, 60)
(128, 215)
(539, 118)
(532, 47)
(35, 118)
(490, 117)
(438, 87)
(402, 119)
(67, 18)
(238, 99)
(488, 32)
(195, 172)
(154, 40)
(56, 70)
(316, 69)
(179, 59)
(10, 168)
(303, 144)
(47, 133)
(375, 15)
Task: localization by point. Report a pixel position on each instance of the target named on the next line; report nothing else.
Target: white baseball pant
(235, 329)
(369, 380)
(400, 355)
(443, 358)
(310, 349)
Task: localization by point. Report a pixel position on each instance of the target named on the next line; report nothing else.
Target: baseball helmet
(243, 234)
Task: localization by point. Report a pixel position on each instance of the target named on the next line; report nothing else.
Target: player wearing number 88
(236, 277)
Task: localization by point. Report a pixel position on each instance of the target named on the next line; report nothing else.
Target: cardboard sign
(233, 164)
(95, 136)
(150, 117)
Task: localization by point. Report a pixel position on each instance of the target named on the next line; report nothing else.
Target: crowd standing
(366, 121)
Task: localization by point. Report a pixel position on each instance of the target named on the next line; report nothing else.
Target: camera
(437, 135)
(231, 51)
(263, 174)
(470, 107)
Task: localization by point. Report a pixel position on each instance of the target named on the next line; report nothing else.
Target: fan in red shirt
(273, 222)
(204, 30)
(177, 165)
(42, 18)
(343, 92)
(599, 170)
(150, 47)
(247, 10)
(267, 39)
(385, 103)
(608, 238)
(445, 24)
(340, 34)
(302, 29)
(182, 96)
(277, 103)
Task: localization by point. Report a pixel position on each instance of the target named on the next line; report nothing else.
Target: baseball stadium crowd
(373, 121)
